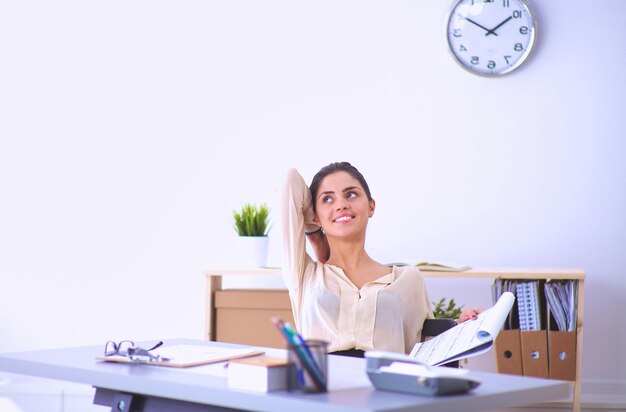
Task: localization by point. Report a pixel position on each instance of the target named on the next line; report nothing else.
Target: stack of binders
(532, 342)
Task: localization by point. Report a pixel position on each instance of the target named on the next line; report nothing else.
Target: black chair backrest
(433, 327)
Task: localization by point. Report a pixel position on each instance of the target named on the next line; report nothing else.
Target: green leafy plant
(449, 310)
(252, 220)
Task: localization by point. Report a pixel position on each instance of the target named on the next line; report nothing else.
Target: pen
(301, 349)
(298, 340)
(279, 324)
(305, 355)
(309, 364)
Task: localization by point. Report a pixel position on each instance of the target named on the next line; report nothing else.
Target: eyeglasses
(134, 353)
(118, 348)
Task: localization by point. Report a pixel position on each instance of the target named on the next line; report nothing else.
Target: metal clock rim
(525, 56)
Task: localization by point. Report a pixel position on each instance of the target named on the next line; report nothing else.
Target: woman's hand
(320, 245)
(468, 314)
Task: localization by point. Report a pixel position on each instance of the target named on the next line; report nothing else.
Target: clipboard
(183, 356)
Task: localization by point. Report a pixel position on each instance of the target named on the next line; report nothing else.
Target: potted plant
(252, 225)
(449, 310)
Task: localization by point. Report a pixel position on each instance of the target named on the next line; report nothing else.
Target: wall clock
(491, 37)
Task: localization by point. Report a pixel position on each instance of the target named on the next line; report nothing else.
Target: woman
(346, 297)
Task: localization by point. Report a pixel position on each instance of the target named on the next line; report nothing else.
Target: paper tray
(400, 373)
(396, 382)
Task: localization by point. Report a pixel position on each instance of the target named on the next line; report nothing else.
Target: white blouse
(386, 314)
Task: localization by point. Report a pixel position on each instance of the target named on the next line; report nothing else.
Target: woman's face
(342, 205)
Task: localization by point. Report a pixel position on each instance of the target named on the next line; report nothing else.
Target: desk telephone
(400, 373)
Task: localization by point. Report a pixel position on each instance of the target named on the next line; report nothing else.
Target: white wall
(130, 130)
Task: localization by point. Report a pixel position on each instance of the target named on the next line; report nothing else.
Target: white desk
(204, 388)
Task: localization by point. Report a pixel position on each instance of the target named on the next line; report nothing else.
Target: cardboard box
(509, 352)
(562, 347)
(243, 316)
(535, 353)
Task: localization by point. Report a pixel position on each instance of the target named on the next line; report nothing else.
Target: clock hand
(482, 27)
(493, 31)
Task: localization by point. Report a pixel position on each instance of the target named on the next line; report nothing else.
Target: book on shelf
(259, 374)
(181, 355)
(470, 338)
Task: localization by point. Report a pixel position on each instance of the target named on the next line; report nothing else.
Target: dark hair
(333, 168)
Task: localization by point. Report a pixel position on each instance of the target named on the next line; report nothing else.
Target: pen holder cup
(307, 366)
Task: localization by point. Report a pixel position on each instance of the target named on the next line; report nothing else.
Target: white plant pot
(253, 251)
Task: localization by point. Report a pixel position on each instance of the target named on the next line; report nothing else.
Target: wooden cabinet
(233, 316)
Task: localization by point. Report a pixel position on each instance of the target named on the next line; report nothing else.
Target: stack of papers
(414, 369)
(442, 267)
(469, 338)
(499, 287)
(561, 297)
(260, 374)
(434, 267)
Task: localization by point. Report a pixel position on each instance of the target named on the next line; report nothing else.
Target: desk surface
(349, 387)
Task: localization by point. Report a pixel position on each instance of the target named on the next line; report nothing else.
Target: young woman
(346, 297)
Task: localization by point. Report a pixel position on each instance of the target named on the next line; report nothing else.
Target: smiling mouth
(343, 219)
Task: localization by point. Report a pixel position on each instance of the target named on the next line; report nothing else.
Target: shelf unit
(214, 284)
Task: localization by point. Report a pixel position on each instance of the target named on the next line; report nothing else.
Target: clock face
(491, 37)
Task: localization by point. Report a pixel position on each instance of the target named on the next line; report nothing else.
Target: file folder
(535, 353)
(562, 346)
(544, 346)
(509, 352)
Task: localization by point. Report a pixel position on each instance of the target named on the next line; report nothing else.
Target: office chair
(433, 327)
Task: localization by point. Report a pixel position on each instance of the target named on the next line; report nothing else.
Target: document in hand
(467, 339)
